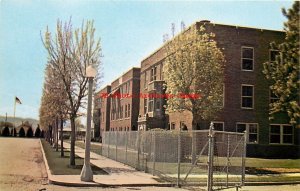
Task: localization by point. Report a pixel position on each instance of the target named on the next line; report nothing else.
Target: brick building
(101, 111)
(120, 103)
(246, 92)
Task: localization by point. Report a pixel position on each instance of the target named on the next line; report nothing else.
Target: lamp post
(86, 172)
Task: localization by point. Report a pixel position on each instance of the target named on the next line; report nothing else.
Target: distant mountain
(18, 120)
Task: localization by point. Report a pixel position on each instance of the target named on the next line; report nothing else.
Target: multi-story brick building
(246, 92)
(101, 111)
(117, 105)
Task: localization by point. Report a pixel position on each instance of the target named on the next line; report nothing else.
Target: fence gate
(205, 157)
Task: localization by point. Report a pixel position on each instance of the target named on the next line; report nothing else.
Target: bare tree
(69, 53)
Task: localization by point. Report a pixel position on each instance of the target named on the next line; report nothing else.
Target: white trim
(248, 132)
(247, 96)
(247, 58)
(281, 134)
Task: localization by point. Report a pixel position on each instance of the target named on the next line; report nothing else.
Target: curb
(45, 161)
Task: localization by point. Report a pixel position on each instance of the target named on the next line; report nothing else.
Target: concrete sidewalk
(118, 173)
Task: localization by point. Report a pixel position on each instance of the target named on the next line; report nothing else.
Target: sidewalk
(118, 173)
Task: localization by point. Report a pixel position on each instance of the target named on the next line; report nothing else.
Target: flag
(17, 100)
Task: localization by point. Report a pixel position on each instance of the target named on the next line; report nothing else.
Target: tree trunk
(61, 138)
(56, 134)
(194, 127)
(50, 134)
(72, 148)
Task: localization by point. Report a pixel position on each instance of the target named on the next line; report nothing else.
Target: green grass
(60, 165)
(94, 148)
(272, 163)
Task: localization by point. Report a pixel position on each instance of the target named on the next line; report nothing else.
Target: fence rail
(181, 157)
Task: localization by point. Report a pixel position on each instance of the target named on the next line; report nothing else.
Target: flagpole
(14, 117)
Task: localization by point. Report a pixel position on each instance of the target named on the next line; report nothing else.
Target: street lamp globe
(90, 72)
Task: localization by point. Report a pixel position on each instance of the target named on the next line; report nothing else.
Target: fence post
(116, 145)
(108, 144)
(244, 156)
(210, 157)
(126, 145)
(228, 155)
(138, 150)
(154, 152)
(179, 158)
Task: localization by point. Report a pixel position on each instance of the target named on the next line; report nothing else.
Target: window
(247, 58)
(145, 105)
(218, 126)
(125, 111)
(252, 131)
(172, 126)
(281, 134)
(128, 113)
(273, 54)
(128, 87)
(153, 74)
(121, 116)
(145, 80)
(247, 96)
(150, 104)
(273, 97)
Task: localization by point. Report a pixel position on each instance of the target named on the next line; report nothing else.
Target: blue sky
(129, 31)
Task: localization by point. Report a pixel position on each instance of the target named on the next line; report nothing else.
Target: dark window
(281, 134)
(218, 126)
(145, 105)
(150, 104)
(247, 96)
(247, 58)
(273, 55)
(252, 131)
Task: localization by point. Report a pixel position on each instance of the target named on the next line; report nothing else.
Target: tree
(37, 132)
(21, 132)
(29, 132)
(194, 75)
(283, 73)
(69, 54)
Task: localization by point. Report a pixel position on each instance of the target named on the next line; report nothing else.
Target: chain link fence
(181, 157)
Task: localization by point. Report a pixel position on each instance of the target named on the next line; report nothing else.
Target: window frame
(250, 47)
(248, 132)
(247, 96)
(281, 134)
(274, 50)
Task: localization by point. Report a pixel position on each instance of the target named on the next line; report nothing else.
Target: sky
(129, 32)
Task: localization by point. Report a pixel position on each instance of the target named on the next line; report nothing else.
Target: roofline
(132, 68)
(197, 22)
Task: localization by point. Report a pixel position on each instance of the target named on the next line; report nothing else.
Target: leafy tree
(21, 132)
(29, 132)
(5, 132)
(69, 54)
(283, 73)
(194, 75)
(193, 72)
(37, 132)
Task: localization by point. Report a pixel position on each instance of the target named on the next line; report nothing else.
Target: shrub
(37, 132)
(29, 132)
(22, 132)
(5, 132)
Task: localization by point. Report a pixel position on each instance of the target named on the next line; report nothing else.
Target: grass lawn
(60, 165)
